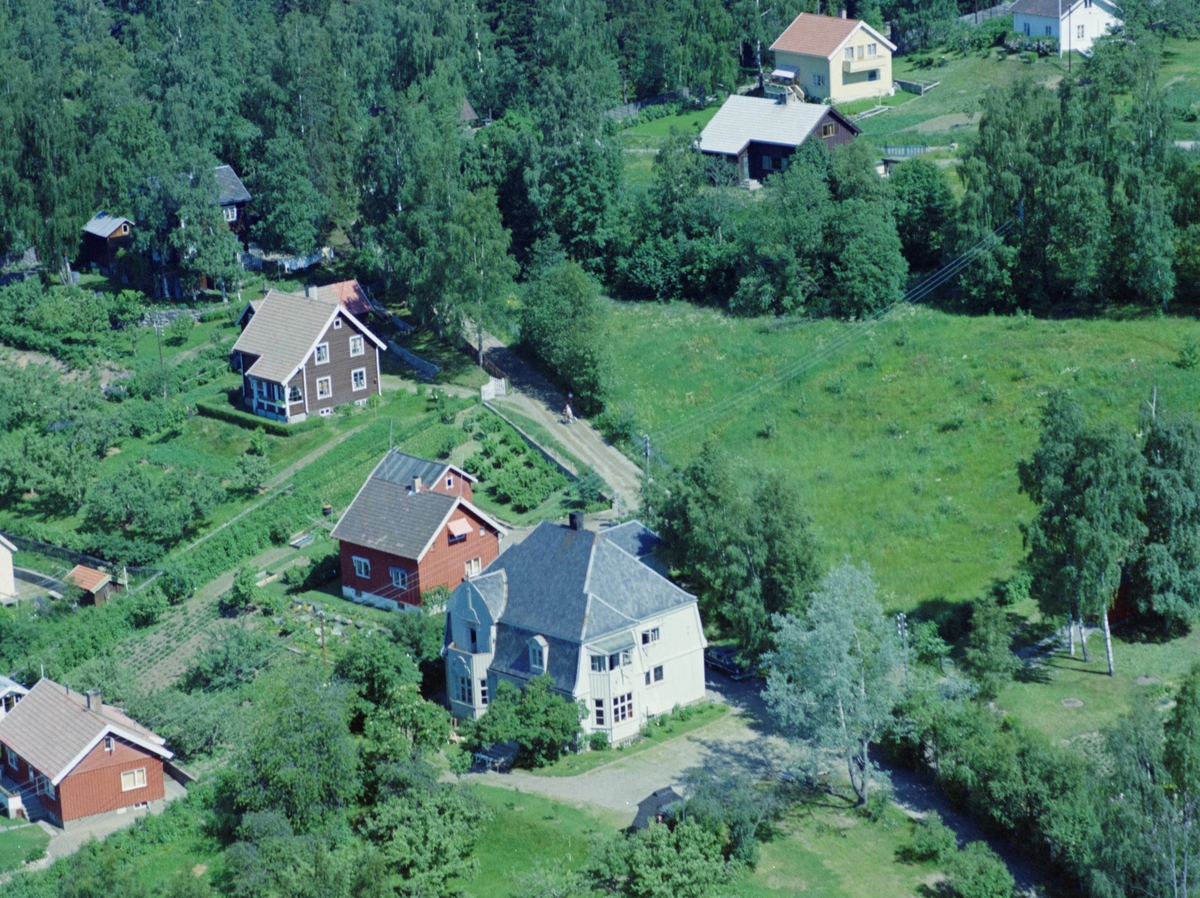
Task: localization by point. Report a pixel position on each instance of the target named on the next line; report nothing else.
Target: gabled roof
(816, 35)
(634, 537)
(348, 294)
(104, 225)
(399, 467)
(577, 586)
(53, 730)
(388, 517)
(230, 188)
(468, 113)
(285, 330)
(11, 687)
(86, 578)
(744, 119)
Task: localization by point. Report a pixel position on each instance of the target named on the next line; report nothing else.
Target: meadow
(904, 443)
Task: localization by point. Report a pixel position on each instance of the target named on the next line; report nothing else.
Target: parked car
(724, 659)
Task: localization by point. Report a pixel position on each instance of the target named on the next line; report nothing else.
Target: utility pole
(646, 450)
(324, 657)
(902, 631)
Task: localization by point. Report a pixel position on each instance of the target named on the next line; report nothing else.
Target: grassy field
(905, 443)
(19, 844)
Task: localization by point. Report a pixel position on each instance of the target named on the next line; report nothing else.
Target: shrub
(325, 570)
(933, 840)
(1189, 355)
(977, 872)
(249, 474)
(146, 607)
(224, 410)
(177, 583)
(177, 332)
(618, 426)
(598, 741)
(587, 488)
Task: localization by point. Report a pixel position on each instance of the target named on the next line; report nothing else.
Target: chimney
(842, 13)
(94, 699)
(416, 487)
(576, 520)
(311, 291)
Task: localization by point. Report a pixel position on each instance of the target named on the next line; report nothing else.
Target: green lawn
(20, 844)
(905, 443)
(685, 119)
(528, 832)
(662, 730)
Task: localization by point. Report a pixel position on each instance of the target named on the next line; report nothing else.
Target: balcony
(863, 64)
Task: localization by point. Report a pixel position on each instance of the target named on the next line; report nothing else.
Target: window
(849, 54)
(860, 51)
(294, 394)
(230, 213)
(623, 707)
(483, 692)
(10, 756)
(766, 163)
(462, 690)
(110, 744)
(649, 636)
(399, 578)
(619, 659)
(133, 779)
(324, 387)
(474, 636)
(818, 80)
(1079, 32)
(358, 378)
(456, 538)
(1027, 29)
(599, 712)
(356, 346)
(872, 50)
(537, 660)
(598, 663)
(260, 389)
(658, 674)
(362, 567)
(449, 483)
(873, 75)
(322, 353)
(125, 228)
(474, 566)
(829, 129)
(647, 678)
(337, 323)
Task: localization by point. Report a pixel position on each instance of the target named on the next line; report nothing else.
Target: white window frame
(873, 75)
(1079, 32)
(295, 394)
(658, 673)
(483, 693)
(399, 577)
(230, 214)
(473, 567)
(354, 377)
(327, 392)
(537, 661)
(337, 323)
(362, 567)
(849, 54)
(10, 757)
(449, 483)
(818, 80)
(361, 343)
(599, 712)
(136, 779)
(651, 635)
(462, 690)
(622, 707)
(602, 660)
(321, 350)
(110, 744)
(872, 49)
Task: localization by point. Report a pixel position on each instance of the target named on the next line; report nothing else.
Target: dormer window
(539, 649)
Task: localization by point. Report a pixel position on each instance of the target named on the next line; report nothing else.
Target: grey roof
(743, 119)
(387, 517)
(1048, 9)
(511, 656)
(576, 585)
(230, 188)
(398, 467)
(634, 537)
(53, 729)
(282, 333)
(103, 224)
(492, 589)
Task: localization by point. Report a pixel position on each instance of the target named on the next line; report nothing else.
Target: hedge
(223, 411)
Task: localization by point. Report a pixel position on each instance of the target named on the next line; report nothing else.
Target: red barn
(412, 528)
(73, 756)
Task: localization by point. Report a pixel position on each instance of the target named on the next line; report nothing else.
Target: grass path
(296, 466)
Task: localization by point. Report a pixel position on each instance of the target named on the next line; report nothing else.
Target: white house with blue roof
(587, 609)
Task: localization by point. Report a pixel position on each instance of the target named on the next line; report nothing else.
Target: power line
(918, 292)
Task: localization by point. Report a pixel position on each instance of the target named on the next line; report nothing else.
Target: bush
(618, 426)
(250, 473)
(177, 583)
(146, 607)
(543, 724)
(177, 332)
(598, 741)
(235, 659)
(977, 872)
(933, 840)
(225, 411)
(1189, 355)
(587, 488)
(323, 571)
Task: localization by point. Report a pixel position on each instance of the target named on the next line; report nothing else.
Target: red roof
(815, 35)
(86, 578)
(349, 294)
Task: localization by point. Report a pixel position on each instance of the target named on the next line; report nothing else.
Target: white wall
(8, 586)
(1096, 18)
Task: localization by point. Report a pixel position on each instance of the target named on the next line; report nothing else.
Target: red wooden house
(412, 528)
(72, 756)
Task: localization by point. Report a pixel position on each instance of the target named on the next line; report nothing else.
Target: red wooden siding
(94, 786)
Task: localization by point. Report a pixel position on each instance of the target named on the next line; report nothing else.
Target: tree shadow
(1034, 672)
(1152, 629)
(940, 889)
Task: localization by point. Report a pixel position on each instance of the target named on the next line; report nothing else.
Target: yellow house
(834, 58)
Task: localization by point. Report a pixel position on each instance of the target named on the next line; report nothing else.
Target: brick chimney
(95, 699)
(576, 519)
(416, 487)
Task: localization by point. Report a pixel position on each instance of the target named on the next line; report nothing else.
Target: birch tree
(834, 678)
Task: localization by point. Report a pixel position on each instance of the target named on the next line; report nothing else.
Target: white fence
(496, 386)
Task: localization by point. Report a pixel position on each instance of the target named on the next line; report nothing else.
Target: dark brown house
(300, 356)
(412, 528)
(72, 756)
(103, 236)
(232, 196)
(760, 135)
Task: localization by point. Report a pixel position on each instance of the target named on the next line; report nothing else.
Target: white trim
(363, 372)
(329, 380)
(458, 500)
(863, 25)
(362, 346)
(316, 355)
(116, 731)
(334, 312)
(354, 560)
